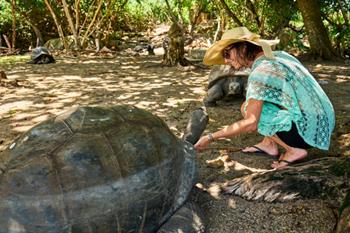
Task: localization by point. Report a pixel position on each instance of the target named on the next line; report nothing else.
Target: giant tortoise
(98, 170)
(41, 55)
(225, 83)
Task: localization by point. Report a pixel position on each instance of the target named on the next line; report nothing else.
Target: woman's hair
(243, 52)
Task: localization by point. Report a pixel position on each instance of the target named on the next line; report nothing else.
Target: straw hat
(214, 55)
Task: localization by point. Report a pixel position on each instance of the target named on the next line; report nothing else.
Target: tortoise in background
(94, 169)
(41, 55)
(225, 83)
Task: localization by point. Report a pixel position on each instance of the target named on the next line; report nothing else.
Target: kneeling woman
(283, 101)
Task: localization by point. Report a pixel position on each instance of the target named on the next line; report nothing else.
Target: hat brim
(214, 55)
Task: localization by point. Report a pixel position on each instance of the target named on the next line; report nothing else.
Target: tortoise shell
(220, 72)
(94, 169)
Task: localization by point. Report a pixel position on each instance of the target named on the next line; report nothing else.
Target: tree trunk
(39, 36)
(194, 16)
(58, 25)
(230, 13)
(71, 25)
(320, 44)
(77, 15)
(7, 42)
(174, 47)
(13, 7)
(90, 28)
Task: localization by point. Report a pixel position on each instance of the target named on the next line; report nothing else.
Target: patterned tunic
(286, 82)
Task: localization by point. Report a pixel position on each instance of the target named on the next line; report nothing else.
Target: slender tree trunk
(231, 14)
(13, 9)
(58, 25)
(71, 25)
(218, 28)
(194, 18)
(90, 27)
(77, 15)
(320, 44)
(39, 36)
(7, 41)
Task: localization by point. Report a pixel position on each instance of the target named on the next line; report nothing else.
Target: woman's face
(230, 59)
(233, 56)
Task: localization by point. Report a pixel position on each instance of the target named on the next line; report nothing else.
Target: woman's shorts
(292, 138)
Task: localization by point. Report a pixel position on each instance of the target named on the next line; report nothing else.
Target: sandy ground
(173, 93)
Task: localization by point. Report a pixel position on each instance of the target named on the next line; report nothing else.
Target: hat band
(267, 49)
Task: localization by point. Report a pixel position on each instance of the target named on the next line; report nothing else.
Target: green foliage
(14, 59)
(5, 17)
(29, 11)
(339, 31)
(271, 18)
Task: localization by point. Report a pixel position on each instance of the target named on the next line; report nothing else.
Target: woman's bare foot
(292, 155)
(266, 146)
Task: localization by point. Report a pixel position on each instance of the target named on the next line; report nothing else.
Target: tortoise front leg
(215, 93)
(187, 219)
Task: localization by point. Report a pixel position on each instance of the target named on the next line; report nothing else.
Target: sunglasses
(227, 51)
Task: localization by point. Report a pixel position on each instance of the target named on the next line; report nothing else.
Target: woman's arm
(248, 124)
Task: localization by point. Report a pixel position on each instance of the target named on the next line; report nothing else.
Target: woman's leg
(292, 153)
(267, 145)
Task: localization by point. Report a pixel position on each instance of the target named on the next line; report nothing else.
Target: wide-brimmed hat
(214, 55)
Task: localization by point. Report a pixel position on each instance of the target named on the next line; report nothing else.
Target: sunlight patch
(71, 77)
(146, 104)
(15, 226)
(13, 107)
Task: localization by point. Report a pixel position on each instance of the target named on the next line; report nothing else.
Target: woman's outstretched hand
(202, 143)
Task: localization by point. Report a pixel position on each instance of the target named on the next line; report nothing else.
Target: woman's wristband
(210, 137)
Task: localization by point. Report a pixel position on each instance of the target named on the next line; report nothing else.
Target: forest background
(319, 27)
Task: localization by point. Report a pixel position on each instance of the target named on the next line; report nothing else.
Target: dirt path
(172, 93)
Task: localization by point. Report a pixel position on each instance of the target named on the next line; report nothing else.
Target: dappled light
(49, 89)
(172, 94)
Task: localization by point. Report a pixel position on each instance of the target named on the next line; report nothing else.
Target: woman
(283, 101)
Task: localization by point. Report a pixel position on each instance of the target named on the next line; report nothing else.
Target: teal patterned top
(286, 82)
